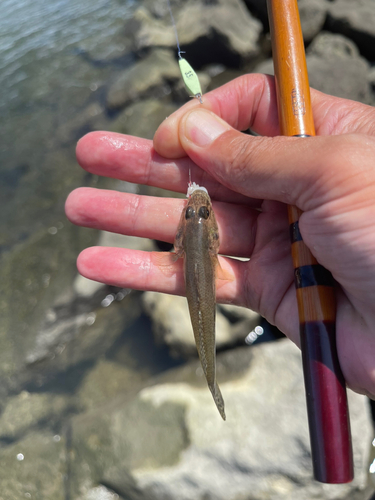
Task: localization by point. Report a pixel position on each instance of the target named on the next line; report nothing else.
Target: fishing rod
(327, 406)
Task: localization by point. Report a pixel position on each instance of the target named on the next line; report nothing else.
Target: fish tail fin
(218, 398)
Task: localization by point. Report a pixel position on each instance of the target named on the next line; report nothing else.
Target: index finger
(133, 159)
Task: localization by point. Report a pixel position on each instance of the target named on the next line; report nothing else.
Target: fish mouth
(194, 187)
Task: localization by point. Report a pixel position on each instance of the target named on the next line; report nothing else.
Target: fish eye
(204, 212)
(189, 213)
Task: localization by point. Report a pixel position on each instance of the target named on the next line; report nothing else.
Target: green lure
(190, 79)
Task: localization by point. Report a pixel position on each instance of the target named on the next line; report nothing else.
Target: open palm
(250, 180)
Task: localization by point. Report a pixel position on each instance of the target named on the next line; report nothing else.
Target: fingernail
(202, 127)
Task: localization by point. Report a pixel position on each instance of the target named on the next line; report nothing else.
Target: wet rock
(142, 118)
(34, 467)
(106, 380)
(99, 52)
(46, 328)
(91, 118)
(154, 71)
(355, 21)
(32, 279)
(180, 448)
(172, 325)
(29, 410)
(121, 425)
(208, 31)
(78, 331)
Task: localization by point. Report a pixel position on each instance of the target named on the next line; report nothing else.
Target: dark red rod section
(326, 399)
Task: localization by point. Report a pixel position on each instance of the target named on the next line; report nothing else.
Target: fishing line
(189, 76)
(175, 29)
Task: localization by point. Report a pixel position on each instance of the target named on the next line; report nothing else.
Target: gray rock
(259, 9)
(335, 67)
(34, 467)
(106, 380)
(312, 13)
(83, 287)
(356, 21)
(227, 23)
(265, 67)
(169, 442)
(99, 493)
(238, 313)
(331, 46)
(151, 72)
(75, 331)
(28, 410)
(142, 118)
(172, 325)
(107, 239)
(33, 278)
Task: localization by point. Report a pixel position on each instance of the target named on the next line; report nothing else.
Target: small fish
(197, 240)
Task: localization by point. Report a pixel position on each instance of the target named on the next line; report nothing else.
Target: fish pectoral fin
(222, 274)
(166, 262)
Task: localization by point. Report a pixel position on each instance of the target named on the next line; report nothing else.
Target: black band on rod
(294, 232)
(302, 135)
(312, 275)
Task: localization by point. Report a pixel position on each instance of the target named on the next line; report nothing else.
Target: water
(48, 76)
(40, 33)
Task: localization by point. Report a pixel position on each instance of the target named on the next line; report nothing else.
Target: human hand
(251, 179)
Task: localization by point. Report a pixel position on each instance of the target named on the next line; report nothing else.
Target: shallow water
(48, 75)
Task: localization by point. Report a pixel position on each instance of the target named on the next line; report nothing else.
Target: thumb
(299, 171)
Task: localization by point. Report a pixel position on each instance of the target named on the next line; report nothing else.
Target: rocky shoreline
(96, 407)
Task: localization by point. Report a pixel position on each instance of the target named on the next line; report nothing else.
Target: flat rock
(220, 28)
(168, 441)
(153, 71)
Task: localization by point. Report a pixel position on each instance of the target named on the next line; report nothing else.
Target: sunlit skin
(250, 180)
